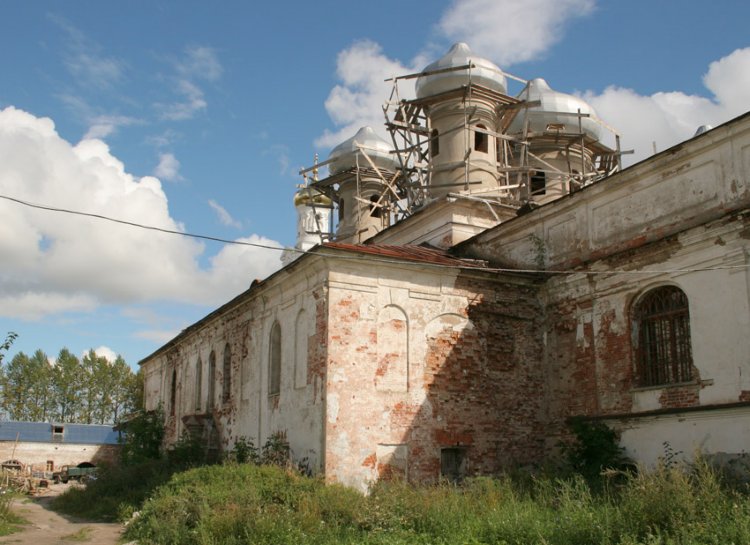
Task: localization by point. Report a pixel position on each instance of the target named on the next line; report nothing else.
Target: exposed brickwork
(745, 395)
(674, 397)
(475, 380)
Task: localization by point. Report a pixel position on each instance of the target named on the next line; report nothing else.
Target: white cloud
(224, 217)
(509, 31)
(199, 63)
(359, 98)
(55, 262)
(281, 153)
(100, 125)
(168, 168)
(506, 31)
(666, 118)
(103, 352)
(83, 60)
(192, 102)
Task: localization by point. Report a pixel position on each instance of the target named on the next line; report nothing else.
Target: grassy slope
(262, 504)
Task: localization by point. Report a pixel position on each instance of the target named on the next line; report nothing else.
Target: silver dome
(484, 73)
(554, 111)
(348, 154)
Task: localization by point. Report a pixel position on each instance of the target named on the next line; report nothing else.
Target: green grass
(116, 493)
(233, 504)
(9, 521)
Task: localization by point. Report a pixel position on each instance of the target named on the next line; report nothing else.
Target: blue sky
(197, 116)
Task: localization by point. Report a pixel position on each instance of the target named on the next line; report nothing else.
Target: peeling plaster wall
(650, 225)
(296, 299)
(590, 334)
(421, 360)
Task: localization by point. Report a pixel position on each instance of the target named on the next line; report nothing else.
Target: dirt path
(46, 527)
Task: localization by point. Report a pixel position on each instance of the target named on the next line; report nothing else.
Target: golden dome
(308, 196)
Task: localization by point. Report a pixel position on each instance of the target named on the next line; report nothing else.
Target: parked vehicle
(81, 473)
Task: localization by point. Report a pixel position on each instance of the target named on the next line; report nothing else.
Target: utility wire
(369, 259)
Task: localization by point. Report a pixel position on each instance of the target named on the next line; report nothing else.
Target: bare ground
(46, 527)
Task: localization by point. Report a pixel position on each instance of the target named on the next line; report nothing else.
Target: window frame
(481, 139)
(663, 340)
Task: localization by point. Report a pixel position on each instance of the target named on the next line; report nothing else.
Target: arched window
(198, 384)
(538, 183)
(173, 392)
(434, 143)
(481, 139)
(211, 380)
(226, 375)
(663, 352)
(274, 361)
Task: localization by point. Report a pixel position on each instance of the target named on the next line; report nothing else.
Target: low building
(43, 446)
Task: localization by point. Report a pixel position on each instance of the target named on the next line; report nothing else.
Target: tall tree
(16, 387)
(66, 387)
(5, 345)
(39, 378)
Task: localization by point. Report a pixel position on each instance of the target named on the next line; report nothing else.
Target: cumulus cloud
(104, 352)
(358, 99)
(663, 119)
(224, 217)
(168, 168)
(506, 31)
(509, 31)
(55, 262)
(101, 125)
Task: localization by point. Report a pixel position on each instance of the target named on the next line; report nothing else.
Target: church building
(458, 294)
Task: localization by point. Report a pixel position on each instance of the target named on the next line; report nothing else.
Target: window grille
(664, 353)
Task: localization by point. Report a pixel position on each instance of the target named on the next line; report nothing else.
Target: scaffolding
(408, 124)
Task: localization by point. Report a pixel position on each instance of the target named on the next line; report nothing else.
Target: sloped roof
(408, 252)
(41, 432)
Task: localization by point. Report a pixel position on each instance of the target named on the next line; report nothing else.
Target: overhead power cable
(370, 258)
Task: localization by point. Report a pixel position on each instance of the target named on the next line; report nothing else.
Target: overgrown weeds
(262, 504)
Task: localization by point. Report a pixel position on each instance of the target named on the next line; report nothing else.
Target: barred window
(274, 361)
(663, 353)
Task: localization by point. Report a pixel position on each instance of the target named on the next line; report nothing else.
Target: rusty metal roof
(408, 252)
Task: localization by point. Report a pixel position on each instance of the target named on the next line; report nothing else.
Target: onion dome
(483, 72)
(350, 153)
(307, 196)
(554, 113)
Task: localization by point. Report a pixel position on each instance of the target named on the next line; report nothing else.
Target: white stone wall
(292, 298)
